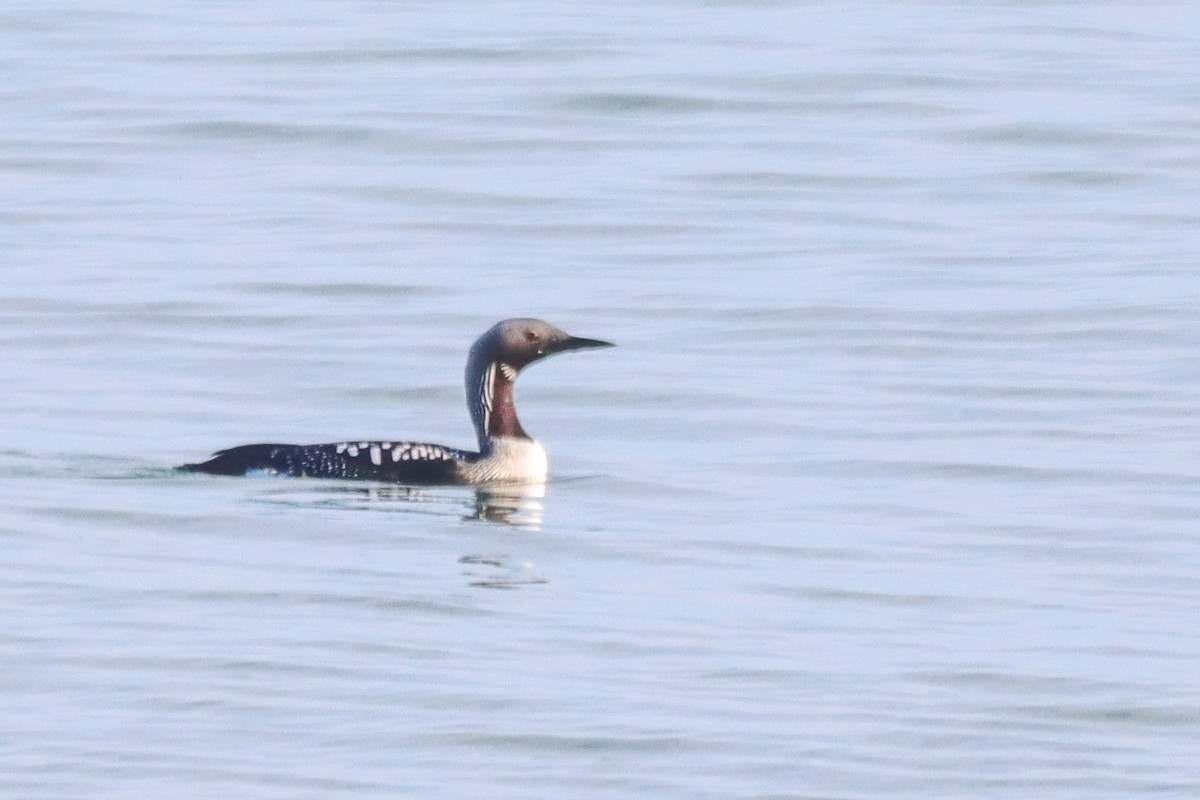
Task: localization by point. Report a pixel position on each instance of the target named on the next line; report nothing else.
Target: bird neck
(490, 398)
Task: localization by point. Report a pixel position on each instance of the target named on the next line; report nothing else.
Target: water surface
(888, 491)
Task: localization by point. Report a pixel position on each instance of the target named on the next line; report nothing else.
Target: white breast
(510, 459)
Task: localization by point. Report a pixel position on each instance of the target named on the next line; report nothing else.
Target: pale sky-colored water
(889, 489)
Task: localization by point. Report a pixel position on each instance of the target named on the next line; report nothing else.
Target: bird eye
(531, 336)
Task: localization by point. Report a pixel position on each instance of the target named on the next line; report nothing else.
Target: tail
(269, 458)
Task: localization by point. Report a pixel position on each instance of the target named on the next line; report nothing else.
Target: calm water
(890, 490)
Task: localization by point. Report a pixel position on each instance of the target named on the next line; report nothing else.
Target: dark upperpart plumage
(506, 452)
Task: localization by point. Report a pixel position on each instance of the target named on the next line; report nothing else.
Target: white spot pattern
(415, 451)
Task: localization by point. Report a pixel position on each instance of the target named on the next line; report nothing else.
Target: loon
(506, 452)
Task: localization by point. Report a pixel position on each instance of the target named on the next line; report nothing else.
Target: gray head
(497, 357)
(520, 342)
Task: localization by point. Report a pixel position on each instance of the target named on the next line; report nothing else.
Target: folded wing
(401, 462)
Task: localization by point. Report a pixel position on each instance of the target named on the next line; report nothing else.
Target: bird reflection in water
(516, 505)
(519, 506)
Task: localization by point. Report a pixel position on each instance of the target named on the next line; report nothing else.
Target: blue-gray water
(890, 489)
